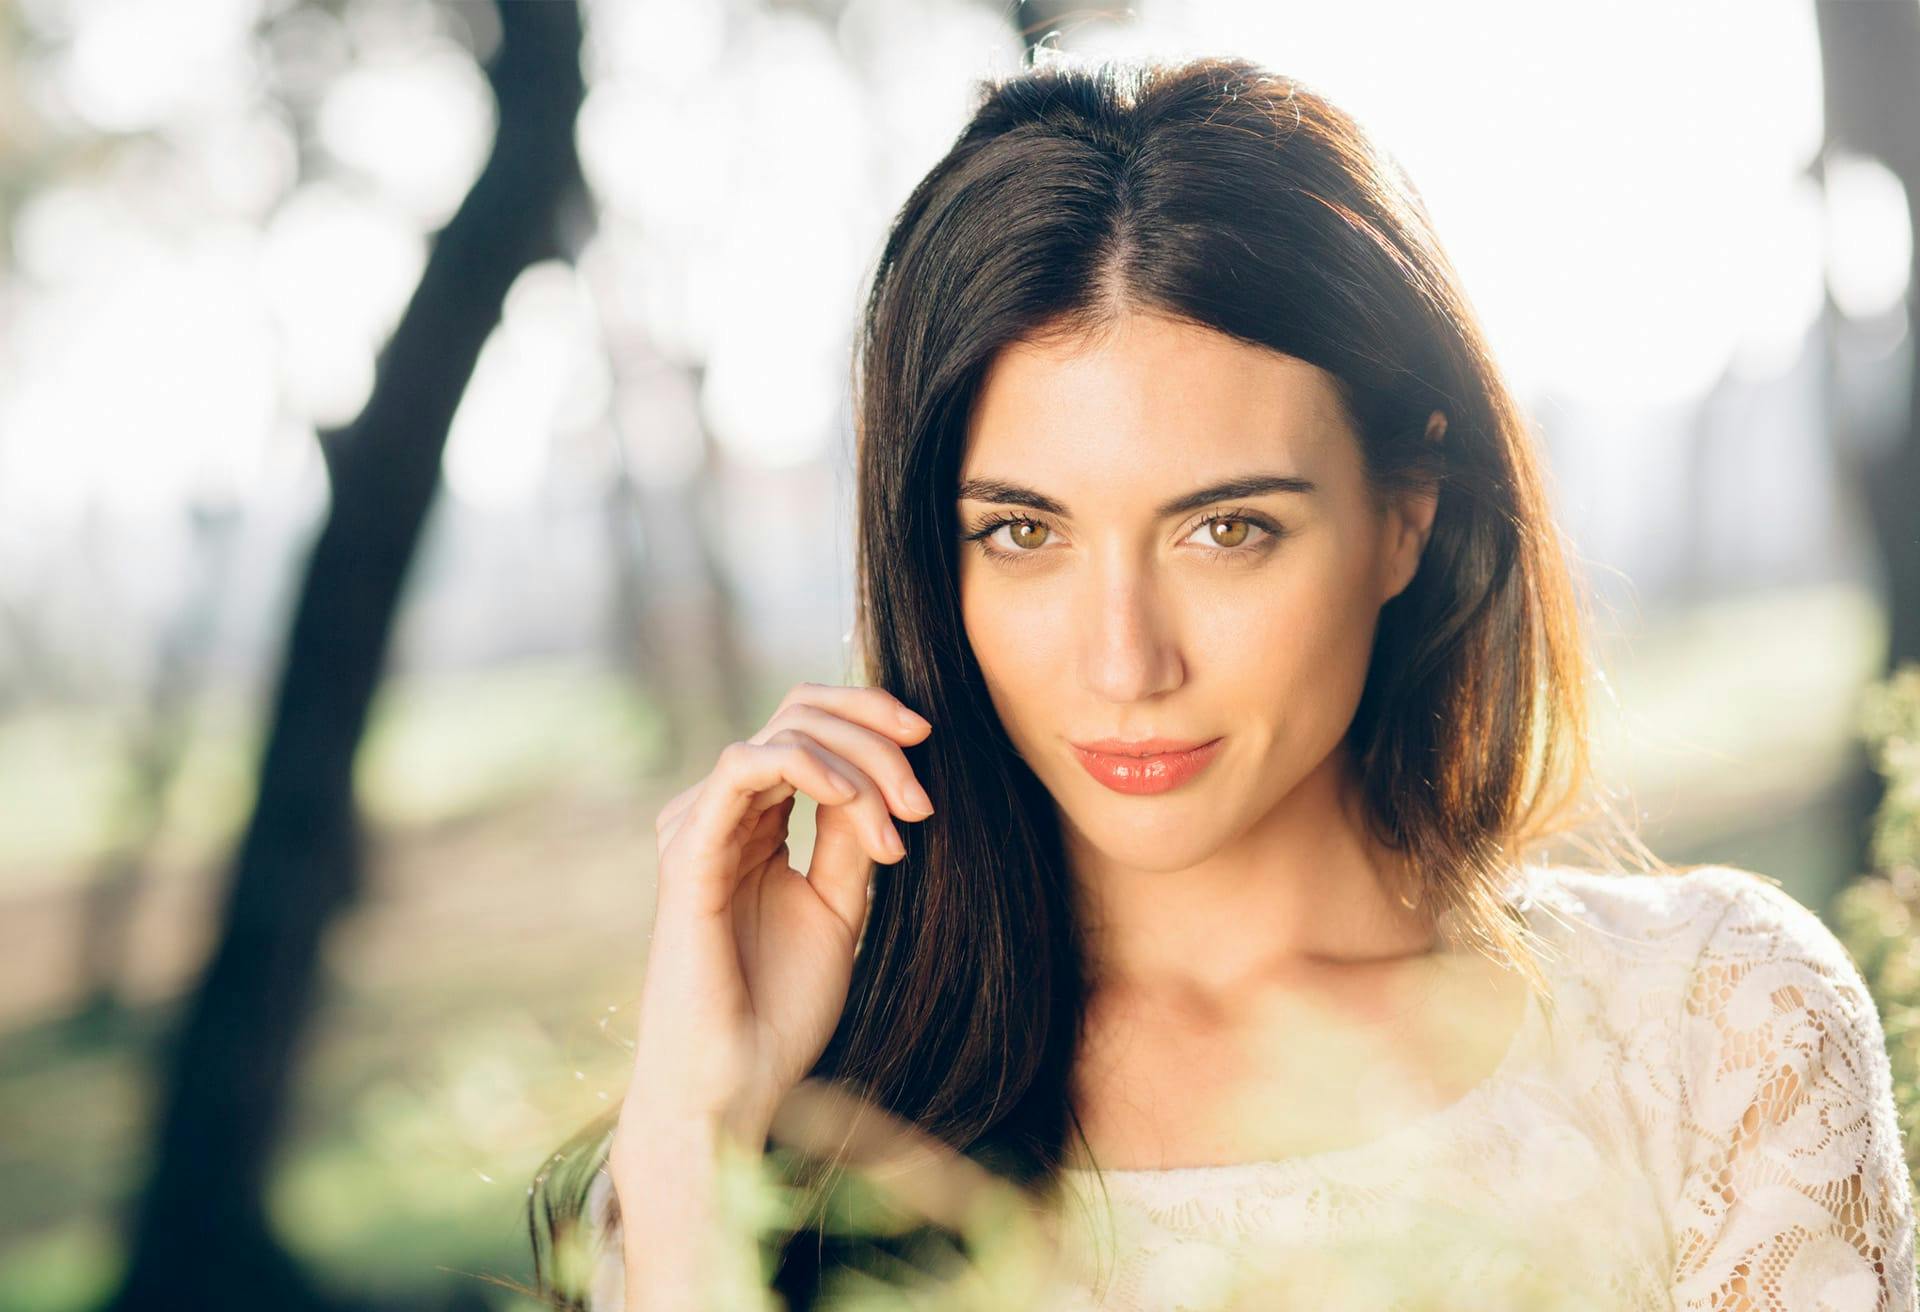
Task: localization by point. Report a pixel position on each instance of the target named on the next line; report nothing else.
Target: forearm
(681, 1250)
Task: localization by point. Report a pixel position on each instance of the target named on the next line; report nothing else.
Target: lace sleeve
(1794, 1188)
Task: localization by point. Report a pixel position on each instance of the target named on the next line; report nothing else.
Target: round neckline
(1420, 1127)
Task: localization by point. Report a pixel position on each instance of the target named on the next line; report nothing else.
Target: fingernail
(909, 720)
(894, 845)
(918, 796)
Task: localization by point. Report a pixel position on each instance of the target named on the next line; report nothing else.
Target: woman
(1198, 521)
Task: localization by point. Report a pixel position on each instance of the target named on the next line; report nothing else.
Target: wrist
(652, 1137)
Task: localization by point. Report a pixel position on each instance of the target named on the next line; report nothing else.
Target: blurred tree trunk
(1870, 62)
(200, 1236)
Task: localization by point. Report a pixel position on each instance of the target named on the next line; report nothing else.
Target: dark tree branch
(200, 1237)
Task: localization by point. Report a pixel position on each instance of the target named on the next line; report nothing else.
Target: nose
(1129, 648)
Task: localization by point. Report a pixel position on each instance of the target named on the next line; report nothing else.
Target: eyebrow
(1002, 492)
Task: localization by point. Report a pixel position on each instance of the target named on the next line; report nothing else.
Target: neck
(1307, 888)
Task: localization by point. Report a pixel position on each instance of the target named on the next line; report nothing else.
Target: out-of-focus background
(424, 439)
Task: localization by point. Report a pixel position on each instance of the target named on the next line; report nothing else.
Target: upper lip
(1141, 746)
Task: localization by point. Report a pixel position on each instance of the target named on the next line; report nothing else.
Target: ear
(1410, 522)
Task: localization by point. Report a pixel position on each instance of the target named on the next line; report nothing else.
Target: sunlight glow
(1629, 223)
(1869, 244)
(541, 373)
(1615, 214)
(749, 186)
(418, 123)
(336, 273)
(116, 78)
(189, 400)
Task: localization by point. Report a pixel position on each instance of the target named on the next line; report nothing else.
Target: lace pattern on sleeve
(1794, 1189)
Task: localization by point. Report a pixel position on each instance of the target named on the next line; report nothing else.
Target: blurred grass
(478, 1001)
(445, 1065)
(437, 748)
(1730, 727)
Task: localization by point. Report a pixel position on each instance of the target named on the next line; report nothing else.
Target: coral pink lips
(1159, 772)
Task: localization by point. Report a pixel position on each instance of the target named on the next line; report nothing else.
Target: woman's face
(1130, 598)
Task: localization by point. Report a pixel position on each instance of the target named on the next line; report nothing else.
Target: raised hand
(751, 961)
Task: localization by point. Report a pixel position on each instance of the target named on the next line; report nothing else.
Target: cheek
(1012, 637)
(1302, 635)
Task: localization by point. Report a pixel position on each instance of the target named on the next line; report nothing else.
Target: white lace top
(1701, 1117)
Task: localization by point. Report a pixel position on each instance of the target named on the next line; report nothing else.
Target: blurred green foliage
(1875, 915)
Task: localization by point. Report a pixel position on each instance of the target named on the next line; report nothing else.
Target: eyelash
(987, 528)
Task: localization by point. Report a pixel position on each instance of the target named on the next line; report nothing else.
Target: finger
(878, 756)
(864, 813)
(670, 815)
(710, 839)
(845, 850)
(667, 824)
(676, 809)
(769, 835)
(839, 871)
(876, 708)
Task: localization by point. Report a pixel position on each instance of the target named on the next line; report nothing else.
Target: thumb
(840, 867)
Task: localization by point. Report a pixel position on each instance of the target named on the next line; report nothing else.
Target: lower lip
(1140, 775)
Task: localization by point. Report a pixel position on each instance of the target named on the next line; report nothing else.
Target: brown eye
(1034, 535)
(1229, 532)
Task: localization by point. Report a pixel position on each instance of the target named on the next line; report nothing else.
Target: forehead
(1153, 399)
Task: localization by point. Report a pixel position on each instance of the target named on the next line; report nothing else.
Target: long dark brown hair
(1219, 193)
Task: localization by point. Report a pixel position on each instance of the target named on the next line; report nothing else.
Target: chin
(1158, 839)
